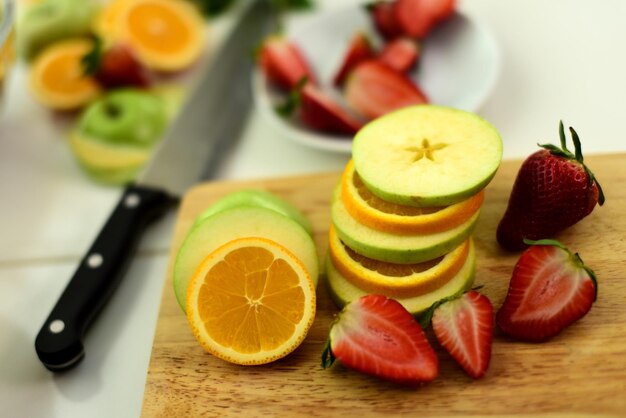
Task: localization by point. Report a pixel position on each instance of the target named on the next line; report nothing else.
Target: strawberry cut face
(549, 290)
(378, 336)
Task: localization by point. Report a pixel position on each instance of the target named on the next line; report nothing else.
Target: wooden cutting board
(582, 371)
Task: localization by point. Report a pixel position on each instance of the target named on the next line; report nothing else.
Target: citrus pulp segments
(423, 278)
(240, 222)
(343, 292)
(167, 35)
(427, 155)
(57, 79)
(394, 248)
(251, 301)
(363, 205)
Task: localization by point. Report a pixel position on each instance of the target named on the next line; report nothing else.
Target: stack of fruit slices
(405, 208)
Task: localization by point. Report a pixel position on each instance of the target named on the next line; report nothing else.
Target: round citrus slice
(342, 291)
(379, 214)
(391, 279)
(251, 301)
(167, 35)
(395, 248)
(57, 78)
(427, 155)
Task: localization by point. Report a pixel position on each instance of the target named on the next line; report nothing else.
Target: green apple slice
(257, 198)
(240, 222)
(391, 247)
(427, 155)
(343, 292)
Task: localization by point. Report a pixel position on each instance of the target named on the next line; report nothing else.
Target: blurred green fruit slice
(257, 198)
(240, 222)
(50, 21)
(427, 155)
(116, 134)
(392, 247)
(343, 292)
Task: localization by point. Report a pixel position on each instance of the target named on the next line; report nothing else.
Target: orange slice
(57, 79)
(385, 216)
(395, 280)
(167, 35)
(251, 301)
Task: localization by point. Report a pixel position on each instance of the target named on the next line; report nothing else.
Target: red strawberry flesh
(464, 327)
(373, 89)
(384, 19)
(418, 18)
(359, 50)
(283, 63)
(549, 290)
(378, 336)
(321, 112)
(400, 54)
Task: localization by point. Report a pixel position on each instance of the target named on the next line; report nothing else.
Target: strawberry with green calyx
(553, 190)
(116, 66)
(283, 63)
(463, 325)
(550, 289)
(376, 335)
(318, 110)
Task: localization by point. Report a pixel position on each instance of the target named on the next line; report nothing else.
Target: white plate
(459, 66)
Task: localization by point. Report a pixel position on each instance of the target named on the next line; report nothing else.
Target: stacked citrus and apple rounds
(406, 205)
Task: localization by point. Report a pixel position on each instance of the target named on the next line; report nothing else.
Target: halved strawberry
(401, 54)
(283, 63)
(378, 336)
(319, 111)
(550, 289)
(382, 15)
(418, 17)
(116, 66)
(464, 327)
(359, 49)
(374, 89)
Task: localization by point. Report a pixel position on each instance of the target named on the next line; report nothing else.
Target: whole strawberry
(115, 66)
(550, 289)
(553, 190)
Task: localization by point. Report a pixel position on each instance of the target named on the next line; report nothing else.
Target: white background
(560, 59)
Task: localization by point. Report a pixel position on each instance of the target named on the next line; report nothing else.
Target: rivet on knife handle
(59, 343)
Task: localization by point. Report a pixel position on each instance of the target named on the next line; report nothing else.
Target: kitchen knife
(207, 126)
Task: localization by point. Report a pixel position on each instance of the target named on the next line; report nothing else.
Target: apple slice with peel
(392, 247)
(427, 155)
(343, 292)
(256, 198)
(240, 222)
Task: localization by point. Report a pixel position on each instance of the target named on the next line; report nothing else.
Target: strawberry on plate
(359, 50)
(383, 17)
(376, 335)
(417, 18)
(374, 89)
(401, 54)
(550, 289)
(283, 63)
(464, 328)
(553, 190)
(319, 111)
(116, 66)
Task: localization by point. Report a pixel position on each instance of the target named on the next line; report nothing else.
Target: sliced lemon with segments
(57, 78)
(395, 280)
(379, 214)
(342, 291)
(251, 301)
(167, 35)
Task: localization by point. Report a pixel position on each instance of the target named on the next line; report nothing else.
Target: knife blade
(206, 128)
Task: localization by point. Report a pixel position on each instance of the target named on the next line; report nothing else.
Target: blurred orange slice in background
(166, 35)
(251, 301)
(57, 77)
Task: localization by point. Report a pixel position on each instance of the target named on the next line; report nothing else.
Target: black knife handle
(59, 343)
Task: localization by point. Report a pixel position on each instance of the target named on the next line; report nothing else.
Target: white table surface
(562, 59)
